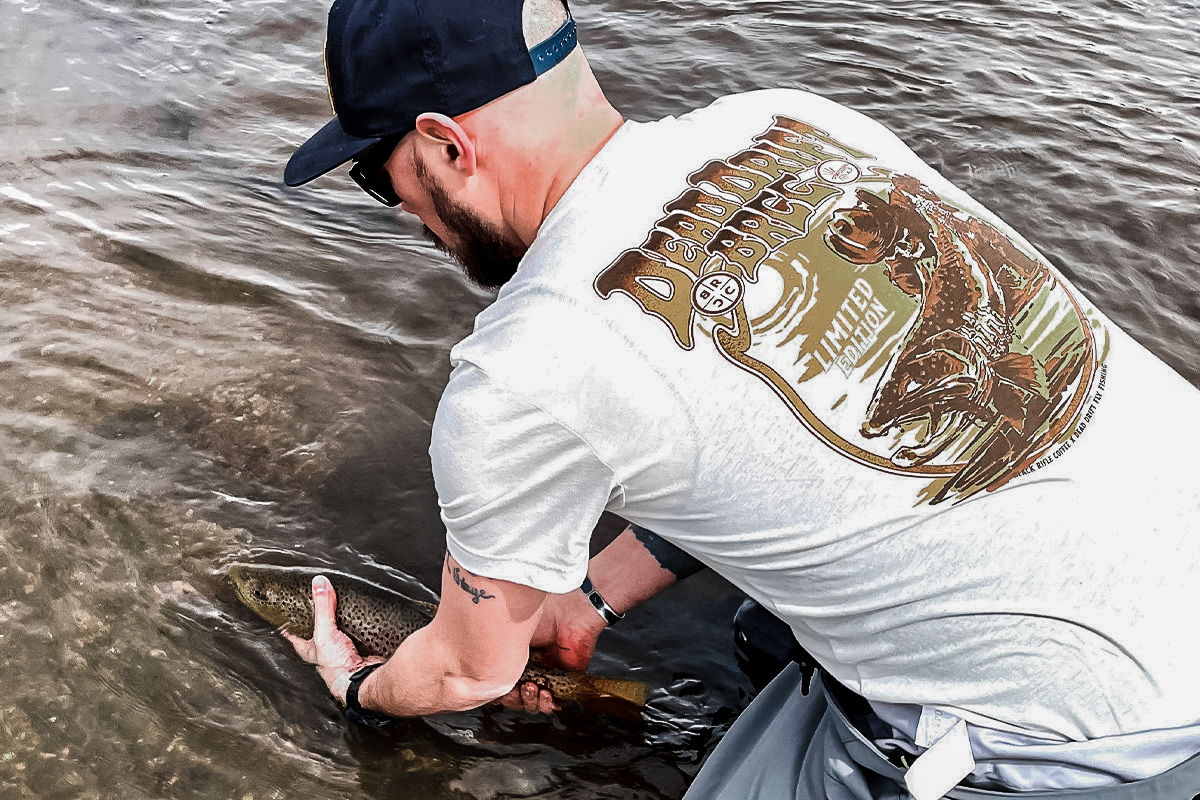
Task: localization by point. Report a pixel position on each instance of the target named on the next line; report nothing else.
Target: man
(771, 334)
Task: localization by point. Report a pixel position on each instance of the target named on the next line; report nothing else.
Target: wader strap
(1178, 783)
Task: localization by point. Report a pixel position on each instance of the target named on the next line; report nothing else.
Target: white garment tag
(948, 759)
(933, 725)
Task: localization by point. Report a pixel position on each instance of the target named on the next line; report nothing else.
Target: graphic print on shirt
(903, 331)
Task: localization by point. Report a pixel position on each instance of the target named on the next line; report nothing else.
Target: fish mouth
(240, 578)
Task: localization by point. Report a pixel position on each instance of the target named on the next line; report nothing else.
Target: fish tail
(623, 689)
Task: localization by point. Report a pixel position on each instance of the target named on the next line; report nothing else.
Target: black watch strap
(354, 709)
(605, 611)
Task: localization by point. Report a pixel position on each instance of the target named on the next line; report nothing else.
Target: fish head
(281, 597)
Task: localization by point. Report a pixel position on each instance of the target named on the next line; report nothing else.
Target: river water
(200, 366)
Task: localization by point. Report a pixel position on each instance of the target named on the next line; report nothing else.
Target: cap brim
(328, 148)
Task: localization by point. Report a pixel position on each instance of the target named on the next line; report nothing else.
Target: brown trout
(379, 619)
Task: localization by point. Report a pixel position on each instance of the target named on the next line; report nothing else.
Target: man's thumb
(324, 608)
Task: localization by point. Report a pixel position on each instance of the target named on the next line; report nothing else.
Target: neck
(589, 139)
(541, 137)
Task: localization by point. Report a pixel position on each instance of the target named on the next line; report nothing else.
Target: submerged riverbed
(200, 366)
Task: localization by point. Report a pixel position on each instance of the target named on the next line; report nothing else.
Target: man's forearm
(637, 565)
(472, 652)
(669, 556)
(423, 677)
(625, 574)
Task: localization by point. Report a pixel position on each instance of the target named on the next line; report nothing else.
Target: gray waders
(790, 746)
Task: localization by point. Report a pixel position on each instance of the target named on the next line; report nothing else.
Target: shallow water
(199, 365)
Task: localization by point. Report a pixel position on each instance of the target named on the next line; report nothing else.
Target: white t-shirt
(770, 333)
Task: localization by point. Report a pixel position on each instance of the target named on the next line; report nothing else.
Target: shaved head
(540, 19)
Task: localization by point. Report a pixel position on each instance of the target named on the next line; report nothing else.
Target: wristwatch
(354, 709)
(605, 611)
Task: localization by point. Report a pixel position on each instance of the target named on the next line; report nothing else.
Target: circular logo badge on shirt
(716, 293)
(838, 171)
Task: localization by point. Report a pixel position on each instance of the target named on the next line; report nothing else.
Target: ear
(448, 136)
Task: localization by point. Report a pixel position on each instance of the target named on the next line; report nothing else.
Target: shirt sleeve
(519, 492)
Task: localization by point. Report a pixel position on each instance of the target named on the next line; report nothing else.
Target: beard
(488, 259)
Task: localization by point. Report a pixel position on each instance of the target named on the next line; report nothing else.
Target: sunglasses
(371, 177)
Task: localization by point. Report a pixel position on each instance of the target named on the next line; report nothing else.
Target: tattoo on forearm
(476, 594)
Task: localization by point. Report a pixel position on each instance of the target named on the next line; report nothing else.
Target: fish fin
(296, 629)
(630, 691)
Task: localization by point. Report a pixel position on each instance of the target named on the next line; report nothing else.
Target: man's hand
(330, 649)
(568, 631)
(626, 573)
(529, 698)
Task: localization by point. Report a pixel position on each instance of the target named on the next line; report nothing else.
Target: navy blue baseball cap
(389, 61)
